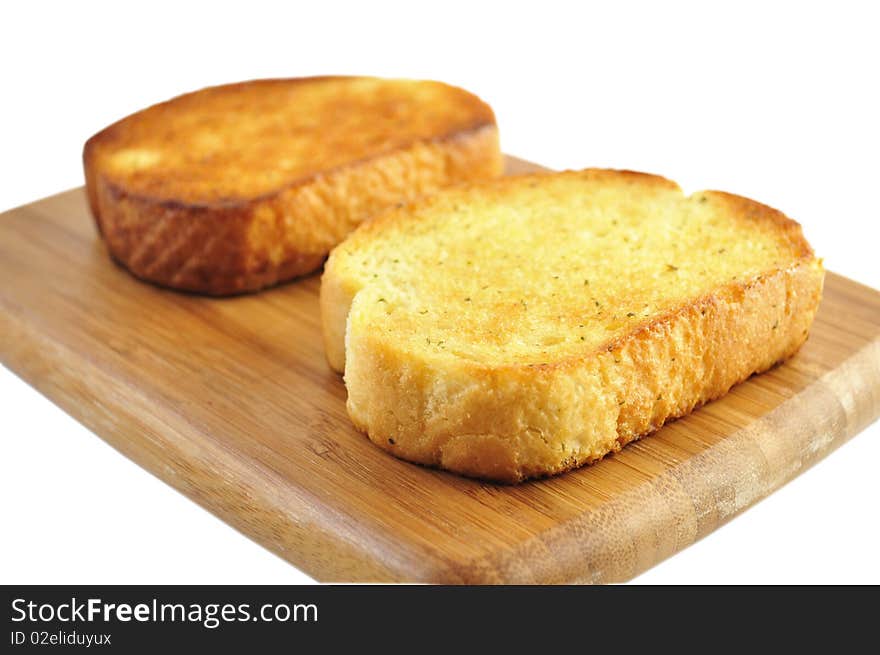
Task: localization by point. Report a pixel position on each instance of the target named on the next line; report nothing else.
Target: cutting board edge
(363, 562)
(862, 412)
(32, 362)
(37, 353)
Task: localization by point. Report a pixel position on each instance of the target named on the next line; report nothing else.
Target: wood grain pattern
(231, 402)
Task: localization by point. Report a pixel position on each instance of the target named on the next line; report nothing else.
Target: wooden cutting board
(230, 401)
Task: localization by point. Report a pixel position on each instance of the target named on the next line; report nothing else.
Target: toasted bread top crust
(229, 144)
(543, 269)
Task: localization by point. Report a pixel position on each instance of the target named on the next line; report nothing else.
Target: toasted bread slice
(526, 326)
(237, 187)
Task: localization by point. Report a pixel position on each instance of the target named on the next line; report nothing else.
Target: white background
(777, 101)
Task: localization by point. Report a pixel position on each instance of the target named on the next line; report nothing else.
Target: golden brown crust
(220, 240)
(512, 420)
(748, 210)
(656, 374)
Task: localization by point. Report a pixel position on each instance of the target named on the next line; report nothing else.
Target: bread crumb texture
(526, 326)
(237, 187)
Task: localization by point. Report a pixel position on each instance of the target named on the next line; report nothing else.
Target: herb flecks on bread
(526, 326)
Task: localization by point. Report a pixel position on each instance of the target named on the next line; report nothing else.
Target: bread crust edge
(495, 426)
(392, 395)
(231, 248)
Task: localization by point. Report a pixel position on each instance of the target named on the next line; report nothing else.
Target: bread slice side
(518, 414)
(263, 201)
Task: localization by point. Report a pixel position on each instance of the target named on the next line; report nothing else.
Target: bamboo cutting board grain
(231, 402)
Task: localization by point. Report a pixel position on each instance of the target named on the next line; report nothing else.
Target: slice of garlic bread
(237, 187)
(526, 326)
